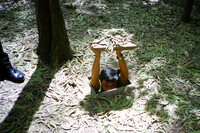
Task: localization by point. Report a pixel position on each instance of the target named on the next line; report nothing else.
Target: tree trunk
(54, 47)
(187, 10)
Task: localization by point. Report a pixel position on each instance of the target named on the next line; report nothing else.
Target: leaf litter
(67, 107)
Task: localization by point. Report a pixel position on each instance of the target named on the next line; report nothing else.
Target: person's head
(109, 78)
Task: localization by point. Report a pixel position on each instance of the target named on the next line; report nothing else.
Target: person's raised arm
(123, 68)
(95, 70)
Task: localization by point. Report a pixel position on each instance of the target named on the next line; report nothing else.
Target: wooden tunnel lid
(113, 39)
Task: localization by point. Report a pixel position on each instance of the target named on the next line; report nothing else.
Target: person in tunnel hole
(7, 72)
(108, 78)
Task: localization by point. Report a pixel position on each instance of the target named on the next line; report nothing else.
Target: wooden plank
(130, 46)
(121, 90)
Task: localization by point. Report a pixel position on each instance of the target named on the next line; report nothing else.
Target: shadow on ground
(99, 105)
(28, 102)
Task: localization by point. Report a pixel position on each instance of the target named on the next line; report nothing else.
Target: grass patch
(98, 105)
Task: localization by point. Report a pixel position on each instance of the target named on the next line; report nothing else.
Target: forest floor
(164, 68)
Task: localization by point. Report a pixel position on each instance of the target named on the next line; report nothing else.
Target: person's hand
(118, 52)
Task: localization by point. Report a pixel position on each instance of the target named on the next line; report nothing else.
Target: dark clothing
(4, 63)
(7, 72)
(4, 59)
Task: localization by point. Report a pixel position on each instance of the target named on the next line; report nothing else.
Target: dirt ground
(59, 100)
(61, 111)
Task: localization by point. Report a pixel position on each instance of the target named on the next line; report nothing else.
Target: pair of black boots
(7, 72)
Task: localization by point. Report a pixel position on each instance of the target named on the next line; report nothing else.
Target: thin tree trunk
(54, 47)
(187, 10)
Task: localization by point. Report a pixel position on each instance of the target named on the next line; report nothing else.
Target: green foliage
(186, 111)
(100, 104)
(154, 106)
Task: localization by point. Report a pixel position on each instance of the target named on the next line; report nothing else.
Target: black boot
(7, 72)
